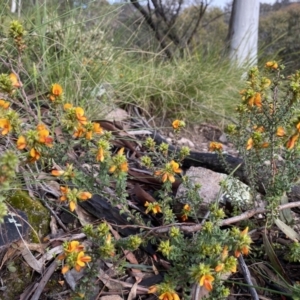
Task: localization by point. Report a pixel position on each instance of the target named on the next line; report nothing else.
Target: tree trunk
(243, 32)
(13, 6)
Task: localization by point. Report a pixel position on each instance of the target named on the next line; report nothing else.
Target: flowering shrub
(34, 142)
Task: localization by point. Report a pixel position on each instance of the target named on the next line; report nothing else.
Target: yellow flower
(244, 250)
(100, 154)
(175, 167)
(92, 128)
(265, 82)
(34, 155)
(250, 143)
(167, 174)
(152, 289)
(215, 146)
(4, 104)
(97, 128)
(81, 260)
(154, 207)
(219, 267)
(272, 65)
(57, 173)
(119, 163)
(244, 243)
(72, 205)
(80, 115)
(206, 281)
(14, 80)
(21, 142)
(67, 106)
(64, 190)
(56, 91)
(65, 269)
(43, 135)
(74, 246)
(255, 100)
(79, 132)
(185, 212)
(84, 195)
(169, 296)
(177, 124)
(292, 141)
(5, 125)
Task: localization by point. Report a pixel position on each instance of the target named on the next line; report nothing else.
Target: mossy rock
(38, 215)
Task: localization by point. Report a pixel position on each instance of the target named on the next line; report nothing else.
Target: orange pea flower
(215, 146)
(65, 269)
(169, 296)
(152, 289)
(167, 174)
(74, 246)
(79, 132)
(250, 144)
(119, 164)
(219, 267)
(82, 260)
(64, 190)
(272, 65)
(14, 80)
(6, 126)
(280, 131)
(34, 155)
(178, 124)
(43, 135)
(21, 142)
(67, 106)
(292, 141)
(56, 92)
(100, 154)
(206, 281)
(154, 207)
(255, 100)
(57, 173)
(4, 104)
(85, 195)
(80, 115)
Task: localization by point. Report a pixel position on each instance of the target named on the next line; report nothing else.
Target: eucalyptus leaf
(287, 230)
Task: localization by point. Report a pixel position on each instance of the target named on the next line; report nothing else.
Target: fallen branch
(197, 227)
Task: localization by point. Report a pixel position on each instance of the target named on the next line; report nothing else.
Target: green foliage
(268, 130)
(277, 36)
(64, 69)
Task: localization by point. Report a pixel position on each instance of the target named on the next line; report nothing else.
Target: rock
(14, 227)
(223, 138)
(38, 215)
(111, 297)
(211, 189)
(169, 140)
(117, 114)
(185, 142)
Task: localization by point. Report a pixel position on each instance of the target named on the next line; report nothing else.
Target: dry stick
(246, 215)
(43, 282)
(247, 277)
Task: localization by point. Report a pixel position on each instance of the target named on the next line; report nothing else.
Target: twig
(43, 282)
(197, 227)
(247, 277)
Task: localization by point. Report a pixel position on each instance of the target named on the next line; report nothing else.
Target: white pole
(244, 32)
